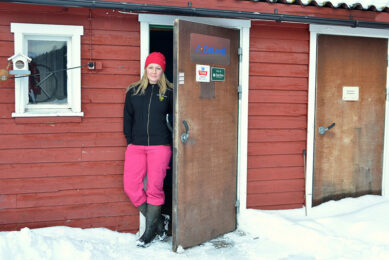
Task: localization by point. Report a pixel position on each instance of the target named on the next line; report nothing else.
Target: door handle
(323, 130)
(185, 136)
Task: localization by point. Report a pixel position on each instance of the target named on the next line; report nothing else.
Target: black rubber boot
(143, 209)
(163, 227)
(153, 215)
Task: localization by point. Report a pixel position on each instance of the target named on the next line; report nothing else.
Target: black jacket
(145, 116)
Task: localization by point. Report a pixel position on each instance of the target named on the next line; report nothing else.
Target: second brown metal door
(351, 82)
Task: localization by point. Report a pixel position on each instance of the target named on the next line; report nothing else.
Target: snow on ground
(352, 228)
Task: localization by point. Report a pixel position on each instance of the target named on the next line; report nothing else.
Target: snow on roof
(369, 5)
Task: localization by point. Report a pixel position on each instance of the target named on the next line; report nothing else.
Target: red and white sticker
(203, 73)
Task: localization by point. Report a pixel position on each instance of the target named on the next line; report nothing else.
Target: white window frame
(72, 34)
(316, 30)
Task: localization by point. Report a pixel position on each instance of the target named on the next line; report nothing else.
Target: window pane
(48, 80)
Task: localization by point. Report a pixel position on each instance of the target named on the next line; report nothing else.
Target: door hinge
(386, 94)
(240, 89)
(240, 53)
(237, 204)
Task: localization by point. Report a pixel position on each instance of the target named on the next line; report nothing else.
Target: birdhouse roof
(20, 55)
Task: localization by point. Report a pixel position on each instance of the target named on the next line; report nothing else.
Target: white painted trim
(145, 44)
(244, 26)
(47, 29)
(343, 31)
(243, 123)
(75, 74)
(144, 51)
(168, 20)
(72, 34)
(348, 31)
(311, 122)
(48, 114)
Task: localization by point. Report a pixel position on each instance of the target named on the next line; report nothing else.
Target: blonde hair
(142, 84)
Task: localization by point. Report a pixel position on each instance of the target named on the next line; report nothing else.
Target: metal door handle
(323, 130)
(185, 136)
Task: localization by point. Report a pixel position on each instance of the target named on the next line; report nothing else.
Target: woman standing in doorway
(148, 138)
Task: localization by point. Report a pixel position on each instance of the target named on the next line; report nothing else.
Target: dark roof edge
(220, 13)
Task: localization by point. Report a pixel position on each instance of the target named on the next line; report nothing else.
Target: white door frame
(315, 30)
(244, 27)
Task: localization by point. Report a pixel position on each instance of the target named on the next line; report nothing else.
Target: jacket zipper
(148, 116)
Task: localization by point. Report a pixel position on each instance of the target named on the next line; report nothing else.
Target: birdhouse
(20, 64)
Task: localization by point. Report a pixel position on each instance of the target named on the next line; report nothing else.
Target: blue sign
(209, 49)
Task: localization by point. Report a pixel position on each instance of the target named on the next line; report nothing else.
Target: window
(53, 88)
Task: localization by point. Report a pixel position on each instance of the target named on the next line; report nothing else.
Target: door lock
(185, 136)
(323, 130)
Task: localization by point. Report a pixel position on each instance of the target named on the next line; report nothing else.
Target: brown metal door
(204, 167)
(351, 82)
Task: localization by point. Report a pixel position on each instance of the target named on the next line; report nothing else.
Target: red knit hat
(156, 57)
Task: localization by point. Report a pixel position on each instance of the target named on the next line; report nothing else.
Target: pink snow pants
(139, 160)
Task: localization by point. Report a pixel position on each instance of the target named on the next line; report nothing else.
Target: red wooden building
(62, 148)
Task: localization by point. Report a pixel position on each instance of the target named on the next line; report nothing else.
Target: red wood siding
(277, 115)
(68, 171)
